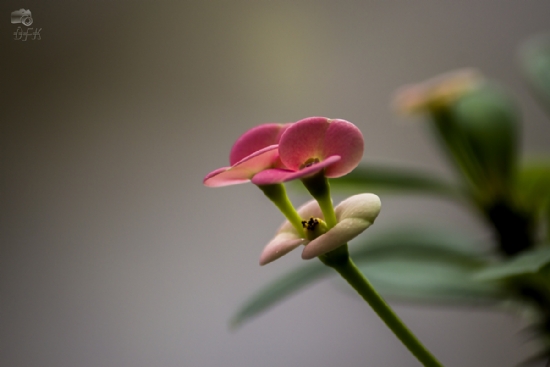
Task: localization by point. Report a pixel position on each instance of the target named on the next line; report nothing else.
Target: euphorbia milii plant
(312, 150)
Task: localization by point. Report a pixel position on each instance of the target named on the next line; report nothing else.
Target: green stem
(319, 188)
(277, 194)
(340, 261)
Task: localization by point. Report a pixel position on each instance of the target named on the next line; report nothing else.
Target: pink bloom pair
(276, 153)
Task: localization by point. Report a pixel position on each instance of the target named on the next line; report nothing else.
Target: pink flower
(255, 151)
(354, 215)
(313, 144)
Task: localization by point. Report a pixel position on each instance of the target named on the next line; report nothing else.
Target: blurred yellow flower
(437, 92)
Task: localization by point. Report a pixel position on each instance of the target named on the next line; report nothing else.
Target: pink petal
(273, 176)
(255, 139)
(319, 138)
(243, 170)
(340, 234)
(302, 141)
(281, 245)
(344, 139)
(223, 177)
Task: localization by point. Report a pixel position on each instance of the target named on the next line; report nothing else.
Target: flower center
(310, 162)
(314, 227)
(310, 224)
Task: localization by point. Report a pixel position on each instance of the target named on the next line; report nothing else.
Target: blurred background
(112, 253)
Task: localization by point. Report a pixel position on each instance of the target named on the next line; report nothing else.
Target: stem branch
(340, 261)
(277, 194)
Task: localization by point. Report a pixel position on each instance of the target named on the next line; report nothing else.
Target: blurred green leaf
(279, 289)
(535, 58)
(373, 177)
(429, 280)
(408, 263)
(426, 265)
(529, 262)
(533, 185)
(422, 238)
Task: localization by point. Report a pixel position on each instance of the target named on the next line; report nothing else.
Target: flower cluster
(311, 149)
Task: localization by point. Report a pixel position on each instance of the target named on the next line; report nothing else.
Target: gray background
(112, 252)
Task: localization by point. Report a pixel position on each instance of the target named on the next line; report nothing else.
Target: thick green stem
(277, 194)
(319, 188)
(340, 261)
